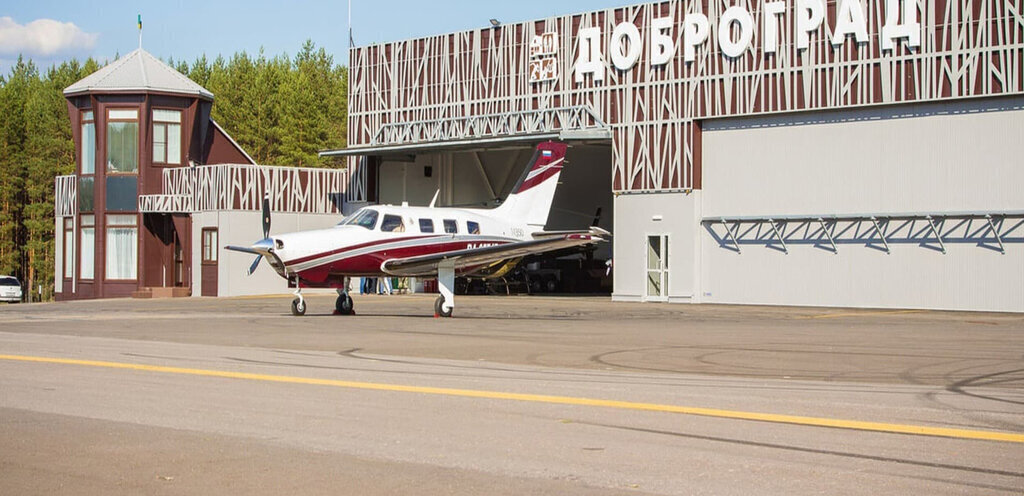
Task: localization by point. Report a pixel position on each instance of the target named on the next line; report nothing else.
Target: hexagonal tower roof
(138, 72)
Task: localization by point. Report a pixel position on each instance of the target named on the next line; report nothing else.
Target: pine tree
(50, 152)
(270, 75)
(307, 96)
(13, 197)
(200, 71)
(7, 187)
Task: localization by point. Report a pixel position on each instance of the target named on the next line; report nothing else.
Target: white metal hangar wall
(671, 82)
(910, 161)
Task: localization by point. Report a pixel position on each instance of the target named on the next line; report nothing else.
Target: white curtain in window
(69, 253)
(88, 251)
(122, 246)
(173, 143)
(159, 144)
(88, 148)
(122, 147)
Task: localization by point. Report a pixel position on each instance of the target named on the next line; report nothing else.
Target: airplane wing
(426, 265)
(594, 230)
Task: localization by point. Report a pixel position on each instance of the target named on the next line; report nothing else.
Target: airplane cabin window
(473, 227)
(426, 225)
(365, 218)
(450, 226)
(392, 223)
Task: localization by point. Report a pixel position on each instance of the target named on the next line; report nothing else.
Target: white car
(10, 289)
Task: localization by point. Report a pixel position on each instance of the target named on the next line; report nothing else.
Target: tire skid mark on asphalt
(832, 452)
(856, 425)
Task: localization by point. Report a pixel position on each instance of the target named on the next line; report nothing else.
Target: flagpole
(140, 31)
(350, 41)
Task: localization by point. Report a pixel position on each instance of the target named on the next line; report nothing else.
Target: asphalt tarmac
(519, 395)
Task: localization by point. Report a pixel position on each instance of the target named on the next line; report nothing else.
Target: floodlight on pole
(495, 23)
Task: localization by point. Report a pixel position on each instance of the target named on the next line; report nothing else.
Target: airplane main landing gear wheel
(344, 305)
(298, 307)
(439, 308)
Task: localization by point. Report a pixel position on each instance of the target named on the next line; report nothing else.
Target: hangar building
(862, 153)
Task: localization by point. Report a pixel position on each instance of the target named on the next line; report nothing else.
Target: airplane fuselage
(366, 239)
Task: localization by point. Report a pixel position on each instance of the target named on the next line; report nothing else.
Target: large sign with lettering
(736, 27)
(653, 72)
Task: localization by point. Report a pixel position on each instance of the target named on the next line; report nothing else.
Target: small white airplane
(386, 241)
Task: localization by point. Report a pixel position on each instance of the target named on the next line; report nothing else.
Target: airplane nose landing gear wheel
(439, 308)
(343, 305)
(298, 307)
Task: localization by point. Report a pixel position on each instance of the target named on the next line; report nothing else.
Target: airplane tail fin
(530, 200)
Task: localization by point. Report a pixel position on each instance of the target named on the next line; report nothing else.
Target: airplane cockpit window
(426, 225)
(366, 218)
(392, 223)
(473, 227)
(450, 226)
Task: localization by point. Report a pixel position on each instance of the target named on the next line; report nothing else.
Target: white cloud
(43, 37)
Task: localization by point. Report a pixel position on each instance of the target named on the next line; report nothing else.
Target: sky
(49, 32)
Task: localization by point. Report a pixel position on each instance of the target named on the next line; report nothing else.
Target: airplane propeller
(255, 263)
(266, 233)
(266, 216)
(262, 247)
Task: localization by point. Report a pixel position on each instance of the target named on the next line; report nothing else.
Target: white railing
(242, 187)
(165, 204)
(65, 196)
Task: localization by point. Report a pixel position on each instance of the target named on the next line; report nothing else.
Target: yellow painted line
(558, 400)
(858, 314)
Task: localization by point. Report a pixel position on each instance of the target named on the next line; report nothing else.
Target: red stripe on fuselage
(353, 247)
(368, 264)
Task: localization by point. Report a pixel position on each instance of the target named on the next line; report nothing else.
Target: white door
(657, 268)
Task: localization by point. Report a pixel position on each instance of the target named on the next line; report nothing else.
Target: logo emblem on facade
(544, 57)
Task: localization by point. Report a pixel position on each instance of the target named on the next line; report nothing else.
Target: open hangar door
(484, 177)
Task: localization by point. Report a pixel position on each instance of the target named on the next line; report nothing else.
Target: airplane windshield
(366, 218)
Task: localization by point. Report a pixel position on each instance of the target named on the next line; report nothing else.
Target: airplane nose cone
(265, 245)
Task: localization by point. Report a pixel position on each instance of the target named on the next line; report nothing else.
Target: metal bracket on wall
(731, 235)
(991, 225)
(994, 218)
(775, 229)
(931, 223)
(881, 235)
(824, 229)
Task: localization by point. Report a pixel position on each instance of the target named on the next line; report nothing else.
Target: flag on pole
(140, 22)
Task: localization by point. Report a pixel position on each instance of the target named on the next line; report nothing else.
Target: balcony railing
(165, 204)
(242, 187)
(65, 196)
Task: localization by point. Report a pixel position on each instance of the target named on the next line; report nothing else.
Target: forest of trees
(282, 110)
